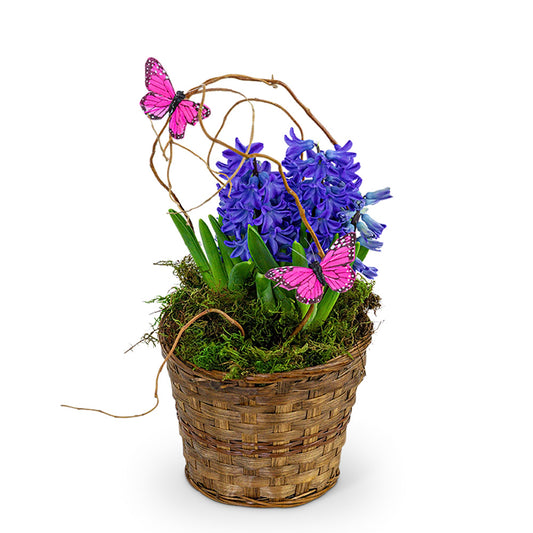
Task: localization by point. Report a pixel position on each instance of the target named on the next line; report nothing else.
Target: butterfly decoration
(333, 271)
(162, 99)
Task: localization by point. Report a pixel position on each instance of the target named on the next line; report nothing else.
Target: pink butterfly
(162, 98)
(334, 271)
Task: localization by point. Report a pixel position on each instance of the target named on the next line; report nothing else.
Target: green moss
(213, 343)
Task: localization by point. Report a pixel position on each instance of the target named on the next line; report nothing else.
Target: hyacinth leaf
(324, 307)
(311, 319)
(190, 240)
(213, 255)
(304, 237)
(265, 293)
(239, 274)
(225, 250)
(284, 299)
(261, 255)
(299, 259)
(328, 301)
(361, 254)
(264, 261)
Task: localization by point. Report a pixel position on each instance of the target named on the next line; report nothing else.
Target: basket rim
(357, 352)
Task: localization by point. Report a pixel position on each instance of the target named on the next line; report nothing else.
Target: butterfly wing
(337, 263)
(308, 289)
(205, 111)
(185, 113)
(177, 123)
(340, 279)
(157, 101)
(155, 106)
(157, 80)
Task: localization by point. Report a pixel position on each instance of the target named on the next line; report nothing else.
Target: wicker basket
(268, 440)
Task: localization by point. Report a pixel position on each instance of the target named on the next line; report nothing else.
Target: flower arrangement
(265, 335)
(275, 223)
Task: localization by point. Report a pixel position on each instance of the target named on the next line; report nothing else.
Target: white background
(437, 99)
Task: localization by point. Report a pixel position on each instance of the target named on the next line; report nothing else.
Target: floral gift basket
(265, 334)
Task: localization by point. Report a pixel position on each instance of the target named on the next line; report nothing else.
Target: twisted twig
(171, 351)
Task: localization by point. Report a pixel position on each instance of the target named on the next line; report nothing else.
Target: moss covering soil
(213, 343)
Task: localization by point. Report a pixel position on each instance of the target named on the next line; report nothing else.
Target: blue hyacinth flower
(372, 198)
(368, 272)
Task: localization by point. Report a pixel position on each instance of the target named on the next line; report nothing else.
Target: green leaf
(284, 298)
(311, 318)
(239, 274)
(213, 255)
(265, 294)
(303, 237)
(190, 240)
(225, 250)
(328, 301)
(259, 252)
(324, 307)
(264, 261)
(361, 254)
(299, 259)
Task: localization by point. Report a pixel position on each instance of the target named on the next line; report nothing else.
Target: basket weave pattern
(268, 440)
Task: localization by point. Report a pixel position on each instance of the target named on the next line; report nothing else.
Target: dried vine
(271, 82)
(169, 355)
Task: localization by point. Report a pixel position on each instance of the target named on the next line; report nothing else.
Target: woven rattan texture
(269, 440)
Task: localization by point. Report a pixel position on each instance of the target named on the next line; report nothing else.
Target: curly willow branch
(213, 173)
(169, 355)
(280, 168)
(173, 197)
(224, 120)
(207, 164)
(233, 107)
(272, 83)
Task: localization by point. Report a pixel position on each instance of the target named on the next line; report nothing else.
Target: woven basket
(267, 440)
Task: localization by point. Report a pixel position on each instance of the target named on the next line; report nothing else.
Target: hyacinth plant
(259, 226)
(270, 213)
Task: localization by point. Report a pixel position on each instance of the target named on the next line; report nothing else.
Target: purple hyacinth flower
(240, 248)
(341, 155)
(297, 146)
(277, 239)
(271, 215)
